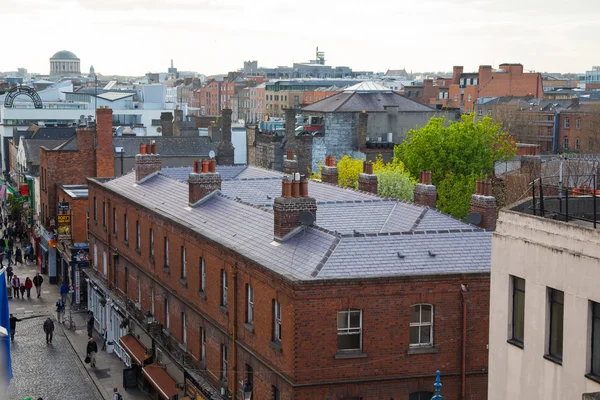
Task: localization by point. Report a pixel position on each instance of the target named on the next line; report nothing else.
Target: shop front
(79, 261)
(47, 261)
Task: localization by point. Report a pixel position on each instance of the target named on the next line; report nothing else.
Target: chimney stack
(367, 181)
(425, 192)
(147, 162)
(290, 163)
(329, 171)
(105, 153)
(225, 153)
(203, 181)
(288, 208)
(166, 123)
(457, 70)
(177, 121)
(484, 203)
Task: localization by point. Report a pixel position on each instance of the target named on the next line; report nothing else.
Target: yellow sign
(192, 391)
(64, 227)
(64, 219)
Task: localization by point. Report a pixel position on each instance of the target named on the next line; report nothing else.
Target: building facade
(64, 63)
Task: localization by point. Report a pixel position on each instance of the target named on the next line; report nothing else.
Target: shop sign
(64, 227)
(192, 390)
(24, 190)
(77, 286)
(80, 256)
(63, 206)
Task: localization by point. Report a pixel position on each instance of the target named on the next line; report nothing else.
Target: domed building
(64, 63)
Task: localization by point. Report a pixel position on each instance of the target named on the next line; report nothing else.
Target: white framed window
(114, 218)
(126, 226)
(139, 298)
(224, 288)
(276, 321)
(151, 242)
(578, 123)
(183, 328)
(469, 97)
(152, 301)
(183, 263)
(95, 209)
(104, 213)
(105, 263)
(567, 123)
(138, 235)
(421, 325)
(479, 112)
(349, 326)
(166, 252)
(223, 363)
(202, 344)
(249, 304)
(167, 316)
(202, 274)
(455, 97)
(96, 256)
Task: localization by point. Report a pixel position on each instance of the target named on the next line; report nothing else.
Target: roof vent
(432, 253)
(400, 255)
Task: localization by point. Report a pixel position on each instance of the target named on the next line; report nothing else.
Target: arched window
(421, 325)
(577, 144)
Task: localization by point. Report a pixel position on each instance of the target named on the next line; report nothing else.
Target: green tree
(348, 171)
(456, 154)
(393, 180)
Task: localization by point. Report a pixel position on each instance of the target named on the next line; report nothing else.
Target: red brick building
(224, 288)
(579, 128)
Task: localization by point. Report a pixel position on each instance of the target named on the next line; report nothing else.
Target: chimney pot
(425, 194)
(287, 208)
(286, 188)
(212, 165)
(143, 148)
(295, 188)
(202, 183)
(484, 203)
(303, 187)
(153, 148)
(205, 167)
(197, 166)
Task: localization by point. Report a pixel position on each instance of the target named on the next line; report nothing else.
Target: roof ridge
(414, 233)
(325, 258)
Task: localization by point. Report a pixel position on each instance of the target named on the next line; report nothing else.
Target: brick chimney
(287, 209)
(225, 150)
(166, 123)
(457, 70)
(177, 121)
(147, 162)
(290, 163)
(361, 129)
(290, 128)
(425, 192)
(485, 74)
(484, 203)
(367, 181)
(105, 153)
(203, 181)
(329, 171)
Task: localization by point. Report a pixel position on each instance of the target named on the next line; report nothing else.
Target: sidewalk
(108, 372)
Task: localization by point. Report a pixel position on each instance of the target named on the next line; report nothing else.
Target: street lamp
(246, 391)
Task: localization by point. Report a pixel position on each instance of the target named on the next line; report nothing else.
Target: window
(138, 235)
(105, 263)
(455, 97)
(595, 342)
(183, 263)
(420, 396)
(276, 321)
(249, 376)
(183, 329)
(202, 344)
(166, 242)
(249, 304)
(518, 310)
(566, 124)
(578, 123)
(421, 325)
(349, 324)
(152, 302)
(577, 144)
(151, 235)
(479, 112)
(114, 221)
(104, 214)
(555, 337)
(167, 317)
(223, 363)
(566, 143)
(126, 227)
(224, 288)
(202, 275)
(139, 298)
(95, 209)
(126, 281)
(469, 97)
(275, 393)
(95, 256)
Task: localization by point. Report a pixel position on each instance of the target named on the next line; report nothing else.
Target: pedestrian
(37, 282)
(9, 273)
(105, 338)
(116, 394)
(13, 326)
(90, 324)
(9, 253)
(28, 253)
(28, 286)
(18, 256)
(60, 310)
(64, 289)
(22, 290)
(91, 350)
(49, 329)
(16, 284)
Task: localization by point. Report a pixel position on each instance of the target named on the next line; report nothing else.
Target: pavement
(57, 371)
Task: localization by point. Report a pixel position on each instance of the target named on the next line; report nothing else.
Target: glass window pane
(595, 344)
(425, 314)
(355, 319)
(414, 335)
(415, 314)
(349, 342)
(518, 316)
(425, 334)
(342, 320)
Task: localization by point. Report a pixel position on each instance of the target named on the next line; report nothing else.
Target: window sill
(126, 243)
(96, 223)
(422, 350)
(276, 345)
(341, 355)
(166, 270)
(553, 359)
(249, 327)
(516, 343)
(138, 250)
(202, 294)
(151, 260)
(593, 377)
(104, 228)
(183, 282)
(223, 309)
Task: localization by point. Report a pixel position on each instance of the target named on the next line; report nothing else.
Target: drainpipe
(234, 334)
(463, 372)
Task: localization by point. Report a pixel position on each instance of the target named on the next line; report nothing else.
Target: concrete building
(592, 78)
(545, 304)
(64, 63)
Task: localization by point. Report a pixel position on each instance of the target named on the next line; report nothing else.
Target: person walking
(18, 256)
(37, 282)
(90, 324)
(22, 290)
(116, 394)
(28, 286)
(13, 326)
(60, 310)
(91, 350)
(27, 253)
(16, 284)
(64, 290)
(49, 330)
(9, 245)
(9, 274)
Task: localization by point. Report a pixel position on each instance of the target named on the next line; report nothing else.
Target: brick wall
(105, 153)
(269, 153)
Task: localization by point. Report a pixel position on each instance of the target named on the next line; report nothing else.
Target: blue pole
(5, 364)
(438, 387)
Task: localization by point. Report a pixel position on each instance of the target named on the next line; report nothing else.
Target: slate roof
(53, 133)
(182, 146)
(356, 234)
(32, 148)
(368, 101)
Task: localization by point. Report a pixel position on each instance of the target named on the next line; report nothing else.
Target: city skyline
(143, 36)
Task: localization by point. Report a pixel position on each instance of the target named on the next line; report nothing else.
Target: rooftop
(64, 55)
(76, 191)
(173, 146)
(356, 235)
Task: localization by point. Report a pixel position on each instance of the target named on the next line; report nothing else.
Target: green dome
(65, 55)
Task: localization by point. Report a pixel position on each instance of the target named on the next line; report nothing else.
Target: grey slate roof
(32, 148)
(357, 235)
(370, 102)
(185, 146)
(227, 172)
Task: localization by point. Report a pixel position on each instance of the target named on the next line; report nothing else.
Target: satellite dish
(211, 154)
(473, 218)
(306, 218)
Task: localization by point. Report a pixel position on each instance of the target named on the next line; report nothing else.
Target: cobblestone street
(52, 372)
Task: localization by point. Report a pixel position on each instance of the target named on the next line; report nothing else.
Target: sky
(133, 37)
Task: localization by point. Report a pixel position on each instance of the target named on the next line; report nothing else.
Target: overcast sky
(132, 37)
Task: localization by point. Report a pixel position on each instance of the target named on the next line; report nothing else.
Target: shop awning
(161, 380)
(134, 348)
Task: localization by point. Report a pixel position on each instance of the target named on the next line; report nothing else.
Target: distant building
(592, 79)
(64, 63)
